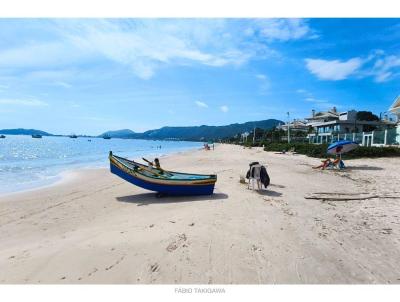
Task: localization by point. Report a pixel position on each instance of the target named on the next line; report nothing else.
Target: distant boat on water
(73, 136)
(106, 136)
(2, 136)
(36, 136)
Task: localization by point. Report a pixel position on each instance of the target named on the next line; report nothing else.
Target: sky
(87, 76)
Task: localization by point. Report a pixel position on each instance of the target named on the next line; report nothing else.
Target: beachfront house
(295, 125)
(395, 110)
(331, 125)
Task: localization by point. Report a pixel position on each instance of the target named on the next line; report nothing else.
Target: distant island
(195, 133)
(21, 131)
(190, 133)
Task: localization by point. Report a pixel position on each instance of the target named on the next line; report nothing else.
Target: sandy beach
(96, 228)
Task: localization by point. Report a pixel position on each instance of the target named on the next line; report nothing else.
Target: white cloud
(264, 83)
(321, 104)
(35, 54)
(386, 68)
(261, 76)
(224, 108)
(316, 101)
(377, 64)
(22, 102)
(73, 104)
(285, 29)
(201, 104)
(333, 70)
(63, 84)
(146, 45)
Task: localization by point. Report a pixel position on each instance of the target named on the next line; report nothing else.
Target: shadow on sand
(365, 168)
(144, 199)
(278, 186)
(270, 193)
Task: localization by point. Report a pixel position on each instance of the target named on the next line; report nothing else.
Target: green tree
(366, 116)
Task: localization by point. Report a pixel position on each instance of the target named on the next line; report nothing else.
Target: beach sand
(96, 228)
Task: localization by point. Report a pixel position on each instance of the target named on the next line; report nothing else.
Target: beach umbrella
(341, 147)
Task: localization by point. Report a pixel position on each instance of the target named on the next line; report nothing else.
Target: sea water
(27, 162)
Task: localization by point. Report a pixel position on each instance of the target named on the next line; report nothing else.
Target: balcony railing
(388, 137)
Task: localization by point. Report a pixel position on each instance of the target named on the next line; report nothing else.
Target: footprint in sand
(256, 248)
(179, 241)
(387, 231)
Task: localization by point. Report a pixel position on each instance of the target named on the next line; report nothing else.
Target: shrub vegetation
(319, 151)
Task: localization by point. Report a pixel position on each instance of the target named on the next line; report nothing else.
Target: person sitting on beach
(325, 163)
(338, 163)
(157, 163)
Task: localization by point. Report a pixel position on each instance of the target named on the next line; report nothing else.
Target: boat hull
(167, 189)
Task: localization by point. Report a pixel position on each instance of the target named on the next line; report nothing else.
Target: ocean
(27, 162)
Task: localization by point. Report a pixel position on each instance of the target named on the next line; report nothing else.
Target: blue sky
(90, 75)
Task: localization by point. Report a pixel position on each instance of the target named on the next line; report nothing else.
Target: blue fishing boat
(161, 181)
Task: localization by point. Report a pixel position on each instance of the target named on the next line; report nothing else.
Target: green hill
(124, 133)
(21, 131)
(199, 133)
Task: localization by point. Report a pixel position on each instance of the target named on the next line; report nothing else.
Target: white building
(295, 125)
(395, 109)
(331, 125)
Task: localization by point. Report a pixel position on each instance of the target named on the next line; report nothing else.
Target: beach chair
(338, 163)
(254, 177)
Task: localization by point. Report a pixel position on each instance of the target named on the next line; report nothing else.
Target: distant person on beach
(156, 165)
(325, 164)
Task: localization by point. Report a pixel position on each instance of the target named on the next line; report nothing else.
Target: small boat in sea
(36, 136)
(2, 136)
(107, 137)
(73, 136)
(161, 181)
